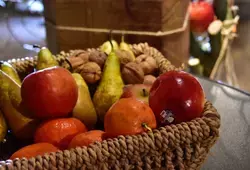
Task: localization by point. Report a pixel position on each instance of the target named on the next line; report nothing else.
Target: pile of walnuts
(134, 71)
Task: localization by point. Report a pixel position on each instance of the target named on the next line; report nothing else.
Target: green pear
(3, 127)
(125, 46)
(45, 59)
(8, 69)
(84, 109)
(107, 47)
(21, 126)
(111, 86)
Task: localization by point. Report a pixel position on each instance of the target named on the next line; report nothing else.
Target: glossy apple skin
(136, 91)
(49, 93)
(201, 15)
(176, 97)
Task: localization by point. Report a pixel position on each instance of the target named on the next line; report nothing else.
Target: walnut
(147, 63)
(77, 58)
(149, 79)
(97, 57)
(84, 56)
(91, 72)
(76, 63)
(132, 73)
(124, 56)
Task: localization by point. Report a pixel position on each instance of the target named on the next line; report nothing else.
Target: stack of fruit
(55, 109)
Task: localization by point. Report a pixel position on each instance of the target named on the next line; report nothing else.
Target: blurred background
(22, 24)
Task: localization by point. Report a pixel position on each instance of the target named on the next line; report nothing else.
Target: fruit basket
(177, 146)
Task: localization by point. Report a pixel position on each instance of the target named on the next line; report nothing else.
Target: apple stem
(144, 92)
(144, 125)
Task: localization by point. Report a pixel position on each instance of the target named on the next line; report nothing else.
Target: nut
(76, 63)
(91, 72)
(77, 58)
(84, 56)
(80, 53)
(97, 57)
(124, 56)
(132, 73)
(149, 79)
(147, 63)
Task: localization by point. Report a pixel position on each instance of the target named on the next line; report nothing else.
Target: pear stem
(145, 126)
(110, 39)
(123, 37)
(37, 46)
(70, 65)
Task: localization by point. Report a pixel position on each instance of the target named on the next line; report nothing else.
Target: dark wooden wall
(244, 11)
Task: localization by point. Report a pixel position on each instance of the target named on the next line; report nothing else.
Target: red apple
(138, 91)
(176, 97)
(201, 15)
(49, 93)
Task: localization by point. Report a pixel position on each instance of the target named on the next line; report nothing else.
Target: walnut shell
(132, 73)
(75, 62)
(91, 72)
(77, 58)
(149, 79)
(147, 63)
(124, 56)
(84, 55)
(97, 57)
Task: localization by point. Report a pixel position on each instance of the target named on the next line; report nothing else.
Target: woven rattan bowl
(181, 146)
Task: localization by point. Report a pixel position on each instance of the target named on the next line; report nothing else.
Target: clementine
(59, 132)
(84, 139)
(34, 150)
(128, 116)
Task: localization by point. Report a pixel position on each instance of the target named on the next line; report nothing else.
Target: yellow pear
(107, 47)
(84, 109)
(111, 85)
(8, 69)
(45, 59)
(126, 47)
(21, 126)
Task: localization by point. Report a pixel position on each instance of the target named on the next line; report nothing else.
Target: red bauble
(201, 15)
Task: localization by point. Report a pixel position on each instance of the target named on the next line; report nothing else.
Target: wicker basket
(181, 146)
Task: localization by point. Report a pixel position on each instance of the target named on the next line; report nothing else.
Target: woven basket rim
(209, 114)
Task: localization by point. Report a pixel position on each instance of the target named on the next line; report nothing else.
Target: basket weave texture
(181, 146)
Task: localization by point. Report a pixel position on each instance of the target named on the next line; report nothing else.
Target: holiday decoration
(209, 45)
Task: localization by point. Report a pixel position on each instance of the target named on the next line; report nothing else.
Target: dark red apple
(49, 93)
(201, 15)
(176, 97)
(138, 91)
